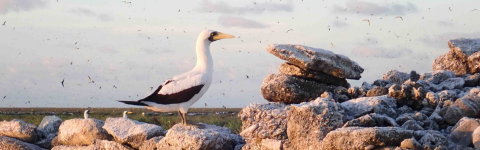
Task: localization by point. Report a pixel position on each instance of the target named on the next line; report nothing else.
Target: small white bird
(181, 91)
(289, 30)
(367, 21)
(332, 45)
(125, 113)
(85, 114)
(399, 17)
(91, 81)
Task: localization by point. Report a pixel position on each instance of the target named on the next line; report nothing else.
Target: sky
(126, 48)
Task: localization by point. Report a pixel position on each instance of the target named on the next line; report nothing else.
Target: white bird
(399, 17)
(91, 81)
(125, 113)
(181, 91)
(85, 114)
(367, 21)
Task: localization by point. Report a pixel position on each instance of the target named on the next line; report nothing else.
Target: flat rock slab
(309, 123)
(365, 105)
(210, 137)
(264, 121)
(132, 132)
(292, 90)
(317, 59)
(292, 70)
(82, 132)
(96, 145)
(360, 138)
(7, 143)
(468, 46)
(19, 129)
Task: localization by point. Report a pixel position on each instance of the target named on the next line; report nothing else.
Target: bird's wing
(177, 91)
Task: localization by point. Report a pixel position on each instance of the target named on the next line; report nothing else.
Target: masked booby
(85, 114)
(181, 91)
(125, 113)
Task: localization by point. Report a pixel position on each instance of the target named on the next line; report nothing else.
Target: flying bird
(4, 22)
(62, 82)
(91, 81)
(399, 17)
(125, 114)
(114, 86)
(474, 9)
(181, 91)
(151, 88)
(332, 45)
(450, 8)
(85, 114)
(6, 97)
(289, 30)
(127, 2)
(367, 21)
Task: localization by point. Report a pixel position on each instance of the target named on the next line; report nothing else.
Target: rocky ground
(311, 106)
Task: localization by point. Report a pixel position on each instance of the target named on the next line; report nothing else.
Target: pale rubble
(309, 123)
(8, 143)
(132, 132)
(82, 132)
(317, 59)
(208, 137)
(19, 129)
(365, 105)
(151, 144)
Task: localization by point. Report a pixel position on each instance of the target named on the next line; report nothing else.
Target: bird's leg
(181, 116)
(185, 118)
(197, 125)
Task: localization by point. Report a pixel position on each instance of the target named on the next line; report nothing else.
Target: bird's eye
(211, 34)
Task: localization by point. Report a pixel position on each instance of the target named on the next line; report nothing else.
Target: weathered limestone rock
(410, 144)
(372, 120)
(412, 125)
(269, 144)
(455, 60)
(211, 137)
(470, 105)
(18, 129)
(377, 91)
(359, 137)
(397, 77)
(414, 76)
(365, 105)
(432, 138)
(463, 130)
(407, 92)
(292, 90)
(264, 121)
(7, 143)
(151, 144)
(381, 83)
(472, 80)
(96, 145)
(50, 124)
(81, 132)
(317, 59)
(132, 132)
(449, 84)
(437, 76)
(451, 114)
(47, 141)
(476, 138)
(292, 70)
(309, 123)
(467, 46)
(473, 62)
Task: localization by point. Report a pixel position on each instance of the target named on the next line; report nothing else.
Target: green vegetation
(166, 121)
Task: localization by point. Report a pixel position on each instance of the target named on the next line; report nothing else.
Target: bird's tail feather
(134, 103)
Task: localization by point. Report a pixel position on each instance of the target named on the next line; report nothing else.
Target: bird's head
(127, 112)
(87, 111)
(213, 36)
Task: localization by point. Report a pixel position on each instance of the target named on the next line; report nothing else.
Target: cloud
(258, 8)
(20, 5)
(230, 21)
(368, 8)
(446, 23)
(381, 52)
(87, 12)
(441, 40)
(339, 24)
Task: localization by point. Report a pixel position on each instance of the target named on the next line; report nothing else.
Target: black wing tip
(134, 103)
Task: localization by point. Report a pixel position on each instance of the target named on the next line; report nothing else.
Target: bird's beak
(221, 35)
(129, 112)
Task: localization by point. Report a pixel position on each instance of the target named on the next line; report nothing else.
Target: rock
(210, 137)
(414, 76)
(412, 125)
(449, 84)
(410, 144)
(404, 109)
(455, 60)
(451, 114)
(132, 132)
(81, 132)
(437, 76)
(472, 80)
(47, 141)
(432, 138)
(264, 121)
(308, 123)
(407, 92)
(372, 120)
(365, 105)
(7, 143)
(353, 92)
(476, 138)
(292, 70)
(151, 144)
(463, 130)
(470, 105)
(317, 59)
(431, 100)
(292, 90)
(359, 137)
(467, 46)
(381, 83)
(270, 144)
(50, 124)
(397, 77)
(19, 129)
(96, 145)
(377, 91)
(447, 95)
